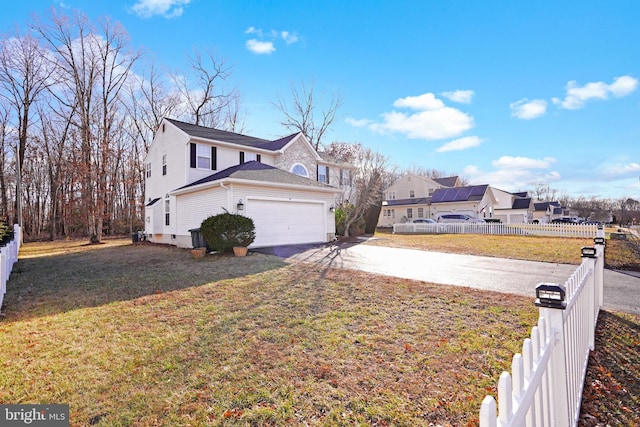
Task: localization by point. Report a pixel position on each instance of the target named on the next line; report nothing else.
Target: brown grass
(145, 335)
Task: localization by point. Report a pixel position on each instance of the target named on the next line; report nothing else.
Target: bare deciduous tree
(207, 101)
(25, 72)
(368, 181)
(307, 114)
(93, 66)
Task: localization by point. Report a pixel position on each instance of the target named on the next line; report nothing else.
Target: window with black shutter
(192, 155)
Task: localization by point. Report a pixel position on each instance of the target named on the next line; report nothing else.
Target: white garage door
(286, 222)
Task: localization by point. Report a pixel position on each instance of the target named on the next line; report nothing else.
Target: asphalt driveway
(622, 291)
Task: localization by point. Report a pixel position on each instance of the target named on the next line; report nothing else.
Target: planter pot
(198, 252)
(240, 250)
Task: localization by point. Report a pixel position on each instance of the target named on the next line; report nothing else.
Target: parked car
(459, 218)
(565, 220)
(426, 220)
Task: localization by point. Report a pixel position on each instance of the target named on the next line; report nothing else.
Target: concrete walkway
(621, 293)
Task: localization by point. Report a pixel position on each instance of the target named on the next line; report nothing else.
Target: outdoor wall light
(240, 205)
(588, 252)
(331, 209)
(550, 295)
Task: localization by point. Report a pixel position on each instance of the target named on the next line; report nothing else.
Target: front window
(412, 194)
(203, 156)
(420, 212)
(299, 169)
(164, 164)
(166, 211)
(409, 213)
(323, 174)
(392, 195)
(345, 177)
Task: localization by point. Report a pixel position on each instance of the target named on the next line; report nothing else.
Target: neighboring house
(409, 198)
(545, 212)
(512, 208)
(284, 185)
(477, 201)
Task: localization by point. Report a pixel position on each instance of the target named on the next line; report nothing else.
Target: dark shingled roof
(542, 206)
(521, 194)
(448, 181)
(411, 201)
(459, 194)
(152, 202)
(219, 135)
(522, 203)
(257, 171)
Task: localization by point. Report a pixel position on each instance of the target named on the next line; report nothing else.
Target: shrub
(224, 231)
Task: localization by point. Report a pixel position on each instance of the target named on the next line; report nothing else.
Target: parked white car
(459, 218)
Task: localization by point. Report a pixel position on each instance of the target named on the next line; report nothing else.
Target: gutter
(248, 182)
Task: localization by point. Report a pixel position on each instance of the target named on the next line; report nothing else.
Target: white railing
(8, 257)
(553, 230)
(545, 386)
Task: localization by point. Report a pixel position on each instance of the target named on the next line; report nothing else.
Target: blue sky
(506, 93)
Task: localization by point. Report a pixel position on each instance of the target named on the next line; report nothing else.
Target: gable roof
(256, 171)
(448, 181)
(217, 134)
(459, 194)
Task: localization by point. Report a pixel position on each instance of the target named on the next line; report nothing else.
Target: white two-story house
(286, 187)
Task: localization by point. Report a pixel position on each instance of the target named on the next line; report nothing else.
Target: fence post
(590, 255)
(599, 243)
(550, 299)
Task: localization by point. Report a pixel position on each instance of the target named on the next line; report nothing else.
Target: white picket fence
(8, 257)
(552, 230)
(546, 383)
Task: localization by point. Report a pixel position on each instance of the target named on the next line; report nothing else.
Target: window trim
(326, 174)
(304, 168)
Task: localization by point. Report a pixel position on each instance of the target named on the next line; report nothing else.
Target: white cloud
(509, 162)
(623, 86)
(432, 121)
(166, 8)
(461, 96)
(288, 37)
(259, 47)
(264, 42)
(357, 122)
(461, 144)
(577, 96)
(527, 110)
(623, 169)
(427, 101)
(510, 179)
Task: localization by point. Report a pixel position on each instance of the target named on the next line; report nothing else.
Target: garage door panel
(287, 222)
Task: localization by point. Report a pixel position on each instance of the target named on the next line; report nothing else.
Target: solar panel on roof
(458, 194)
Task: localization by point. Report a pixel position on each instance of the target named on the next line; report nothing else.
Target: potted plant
(226, 231)
(198, 252)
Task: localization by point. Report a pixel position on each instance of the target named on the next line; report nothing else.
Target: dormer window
(299, 169)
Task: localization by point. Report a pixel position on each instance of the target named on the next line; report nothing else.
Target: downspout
(228, 194)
